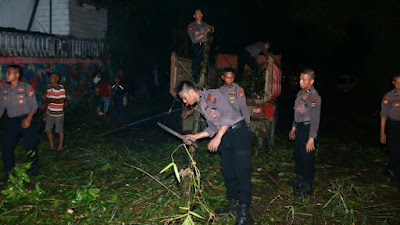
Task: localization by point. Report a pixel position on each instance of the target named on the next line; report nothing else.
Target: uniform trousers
(243, 59)
(393, 142)
(305, 161)
(10, 138)
(198, 54)
(118, 110)
(235, 152)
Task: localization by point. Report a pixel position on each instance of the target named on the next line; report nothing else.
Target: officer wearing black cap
(307, 110)
(232, 138)
(19, 99)
(390, 127)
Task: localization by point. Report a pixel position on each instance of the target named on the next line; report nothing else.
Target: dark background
(333, 37)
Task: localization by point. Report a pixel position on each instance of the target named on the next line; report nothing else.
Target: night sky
(333, 37)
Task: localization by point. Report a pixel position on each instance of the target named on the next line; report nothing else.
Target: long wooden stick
(140, 121)
(154, 179)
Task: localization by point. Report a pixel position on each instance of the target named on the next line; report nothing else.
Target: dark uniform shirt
(194, 29)
(307, 108)
(390, 107)
(18, 101)
(217, 111)
(235, 95)
(118, 92)
(256, 48)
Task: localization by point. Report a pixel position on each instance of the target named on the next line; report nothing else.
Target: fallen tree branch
(152, 177)
(275, 181)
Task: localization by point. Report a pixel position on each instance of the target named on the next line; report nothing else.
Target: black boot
(296, 181)
(244, 217)
(34, 170)
(231, 207)
(392, 173)
(6, 176)
(305, 188)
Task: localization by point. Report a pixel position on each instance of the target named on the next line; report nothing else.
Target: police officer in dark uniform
(198, 32)
(19, 99)
(307, 110)
(390, 127)
(234, 93)
(250, 54)
(232, 138)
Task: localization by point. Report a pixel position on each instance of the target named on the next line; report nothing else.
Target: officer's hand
(383, 138)
(190, 138)
(310, 145)
(26, 123)
(292, 134)
(214, 144)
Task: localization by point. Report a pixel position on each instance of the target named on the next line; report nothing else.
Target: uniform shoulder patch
(211, 99)
(386, 100)
(31, 92)
(190, 28)
(313, 102)
(241, 93)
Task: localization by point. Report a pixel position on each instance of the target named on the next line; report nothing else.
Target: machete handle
(193, 143)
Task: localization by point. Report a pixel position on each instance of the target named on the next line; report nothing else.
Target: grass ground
(94, 180)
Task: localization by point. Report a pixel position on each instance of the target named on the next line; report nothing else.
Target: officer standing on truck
(234, 94)
(198, 32)
(249, 56)
(307, 110)
(390, 127)
(232, 138)
(19, 99)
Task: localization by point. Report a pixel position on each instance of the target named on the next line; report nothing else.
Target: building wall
(87, 23)
(60, 17)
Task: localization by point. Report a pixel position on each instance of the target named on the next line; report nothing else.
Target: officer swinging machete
(169, 130)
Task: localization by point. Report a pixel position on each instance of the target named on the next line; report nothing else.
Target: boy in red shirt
(105, 95)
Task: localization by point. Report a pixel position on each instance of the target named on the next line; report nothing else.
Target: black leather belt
(198, 43)
(237, 125)
(394, 122)
(18, 117)
(304, 123)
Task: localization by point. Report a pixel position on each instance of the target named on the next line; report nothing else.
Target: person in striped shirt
(54, 114)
